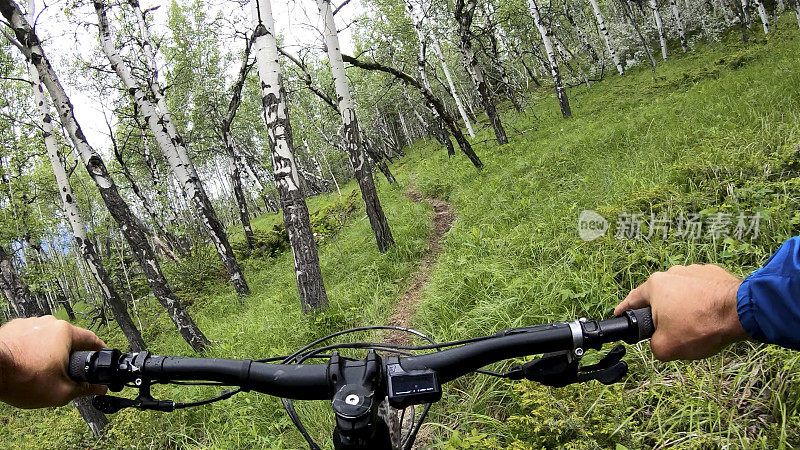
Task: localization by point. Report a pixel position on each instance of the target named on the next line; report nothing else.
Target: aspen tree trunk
(230, 151)
(416, 18)
(95, 166)
(287, 178)
(82, 243)
(464, 12)
(679, 23)
(748, 21)
(762, 13)
(20, 298)
(581, 35)
(494, 28)
(355, 148)
(563, 101)
(464, 116)
(606, 36)
(797, 11)
(451, 123)
(169, 140)
(662, 38)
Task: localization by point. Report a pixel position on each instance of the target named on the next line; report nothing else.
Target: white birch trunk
(551, 58)
(95, 166)
(797, 11)
(747, 19)
(459, 103)
(662, 38)
(602, 24)
(403, 124)
(173, 150)
(287, 178)
(679, 23)
(355, 148)
(158, 93)
(762, 13)
(82, 242)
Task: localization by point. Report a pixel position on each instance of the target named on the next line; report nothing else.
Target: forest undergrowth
(715, 132)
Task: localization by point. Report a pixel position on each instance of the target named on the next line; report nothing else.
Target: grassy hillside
(715, 131)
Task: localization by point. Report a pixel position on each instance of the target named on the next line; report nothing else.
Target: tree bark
(82, 243)
(762, 13)
(561, 93)
(662, 37)
(453, 91)
(462, 141)
(606, 36)
(230, 151)
(169, 141)
(679, 23)
(95, 166)
(442, 136)
(287, 179)
(464, 12)
(355, 148)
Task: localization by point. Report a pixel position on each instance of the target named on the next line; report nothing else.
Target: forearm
(768, 301)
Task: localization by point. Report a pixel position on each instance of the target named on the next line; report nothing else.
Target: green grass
(714, 131)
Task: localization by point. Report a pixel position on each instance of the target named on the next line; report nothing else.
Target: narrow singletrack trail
(405, 308)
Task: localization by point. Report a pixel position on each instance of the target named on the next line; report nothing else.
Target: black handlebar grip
(78, 363)
(644, 320)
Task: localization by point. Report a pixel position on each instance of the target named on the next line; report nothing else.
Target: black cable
(413, 436)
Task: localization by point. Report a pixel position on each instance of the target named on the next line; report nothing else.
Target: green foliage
(687, 141)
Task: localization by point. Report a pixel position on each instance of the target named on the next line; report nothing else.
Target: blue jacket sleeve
(768, 301)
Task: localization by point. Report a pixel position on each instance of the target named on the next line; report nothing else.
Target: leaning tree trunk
(581, 35)
(130, 225)
(464, 12)
(452, 86)
(82, 243)
(662, 38)
(19, 296)
(563, 101)
(451, 123)
(287, 178)
(169, 140)
(797, 11)
(355, 148)
(230, 151)
(606, 36)
(416, 18)
(679, 23)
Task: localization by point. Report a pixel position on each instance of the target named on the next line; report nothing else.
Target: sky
(67, 36)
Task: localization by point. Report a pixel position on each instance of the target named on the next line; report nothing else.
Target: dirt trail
(404, 309)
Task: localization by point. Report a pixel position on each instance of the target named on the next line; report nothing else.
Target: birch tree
(170, 143)
(230, 151)
(679, 23)
(82, 242)
(417, 20)
(132, 228)
(606, 36)
(561, 93)
(287, 177)
(762, 13)
(464, 14)
(355, 149)
(662, 38)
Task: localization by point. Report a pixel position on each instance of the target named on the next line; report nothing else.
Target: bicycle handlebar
(318, 381)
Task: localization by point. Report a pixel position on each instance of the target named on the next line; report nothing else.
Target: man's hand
(694, 311)
(34, 356)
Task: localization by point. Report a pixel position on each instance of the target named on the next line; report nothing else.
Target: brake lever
(109, 404)
(560, 369)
